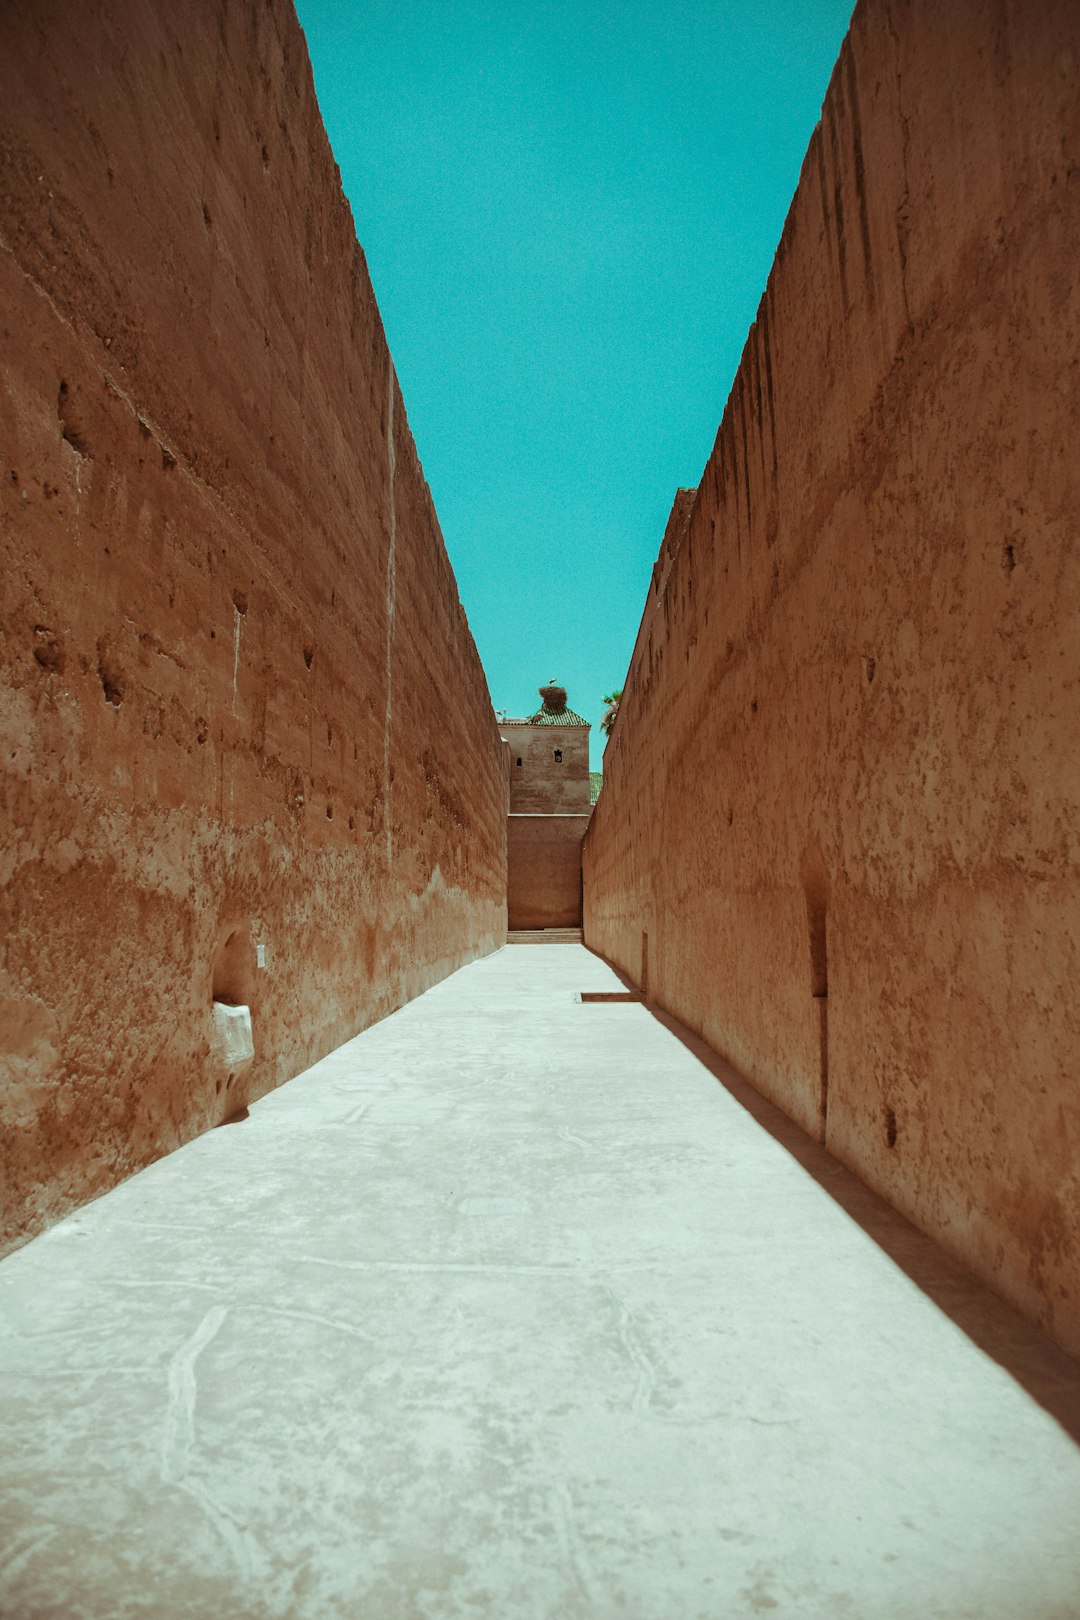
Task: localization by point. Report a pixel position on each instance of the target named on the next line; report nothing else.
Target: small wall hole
(233, 970)
(112, 678)
(49, 650)
(73, 427)
(890, 1127)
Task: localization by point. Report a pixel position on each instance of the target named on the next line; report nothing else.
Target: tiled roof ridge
(556, 717)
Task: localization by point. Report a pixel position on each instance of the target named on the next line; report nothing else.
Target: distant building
(549, 812)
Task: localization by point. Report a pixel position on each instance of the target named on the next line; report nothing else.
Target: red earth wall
(841, 797)
(239, 703)
(543, 882)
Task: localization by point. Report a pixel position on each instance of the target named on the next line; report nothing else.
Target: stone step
(545, 936)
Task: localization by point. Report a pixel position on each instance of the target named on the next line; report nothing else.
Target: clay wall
(544, 871)
(246, 745)
(541, 782)
(841, 796)
(674, 534)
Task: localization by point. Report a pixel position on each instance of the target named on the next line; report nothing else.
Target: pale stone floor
(511, 1308)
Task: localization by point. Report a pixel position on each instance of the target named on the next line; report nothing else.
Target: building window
(558, 756)
(519, 762)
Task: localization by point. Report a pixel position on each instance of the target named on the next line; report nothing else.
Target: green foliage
(612, 701)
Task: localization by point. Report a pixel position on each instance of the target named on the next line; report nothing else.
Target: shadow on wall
(815, 881)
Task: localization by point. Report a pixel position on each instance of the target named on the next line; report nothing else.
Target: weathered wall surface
(841, 798)
(240, 704)
(543, 888)
(541, 782)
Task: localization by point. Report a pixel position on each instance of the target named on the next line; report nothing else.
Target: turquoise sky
(569, 212)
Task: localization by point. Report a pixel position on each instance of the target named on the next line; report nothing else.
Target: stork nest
(554, 698)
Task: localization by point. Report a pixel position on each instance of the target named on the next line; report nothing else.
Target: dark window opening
(519, 762)
(558, 756)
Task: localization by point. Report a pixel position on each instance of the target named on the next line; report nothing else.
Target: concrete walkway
(512, 1308)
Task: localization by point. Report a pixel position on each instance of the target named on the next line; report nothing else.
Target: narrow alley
(521, 1306)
